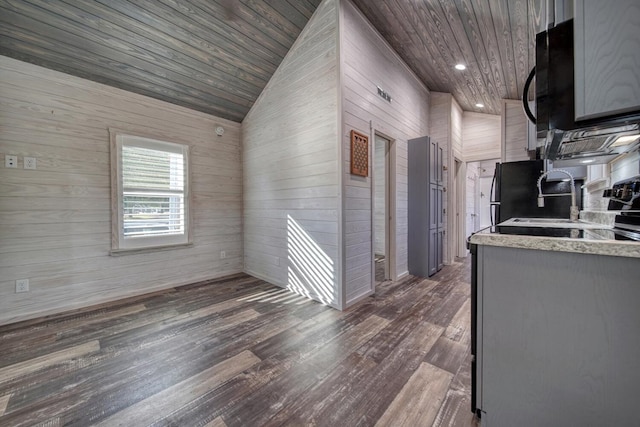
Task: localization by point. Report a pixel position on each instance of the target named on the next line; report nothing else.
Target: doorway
(460, 247)
(484, 208)
(382, 209)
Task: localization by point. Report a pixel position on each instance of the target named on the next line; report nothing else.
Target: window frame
(119, 243)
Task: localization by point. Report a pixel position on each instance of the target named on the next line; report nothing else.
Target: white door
(484, 208)
(381, 210)
(471, 204)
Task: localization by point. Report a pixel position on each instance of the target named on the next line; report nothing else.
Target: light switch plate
(10, 161)
(30, 163)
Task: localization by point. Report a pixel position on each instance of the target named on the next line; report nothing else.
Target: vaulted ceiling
(216, 56)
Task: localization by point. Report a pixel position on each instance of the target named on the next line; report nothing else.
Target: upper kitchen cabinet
(607, 57)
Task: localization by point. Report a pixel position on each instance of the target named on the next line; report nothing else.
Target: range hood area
(586, 97)
(590, 146)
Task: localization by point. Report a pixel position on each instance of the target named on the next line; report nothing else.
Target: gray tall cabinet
(426, 210)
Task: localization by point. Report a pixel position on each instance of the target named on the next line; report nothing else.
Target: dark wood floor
(240, 352)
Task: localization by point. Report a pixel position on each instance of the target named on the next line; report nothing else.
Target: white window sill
(134, 251)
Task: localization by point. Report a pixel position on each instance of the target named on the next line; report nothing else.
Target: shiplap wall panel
(367, 62)
(456, 197)
(290, 159)
(514, 131)
(456, 130)
(627, 166)
(480, 136)
(55, 220)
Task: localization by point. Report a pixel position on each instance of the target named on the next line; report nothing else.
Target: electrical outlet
(223, 254)
(22, 285)
(29, 162)
(10, 161)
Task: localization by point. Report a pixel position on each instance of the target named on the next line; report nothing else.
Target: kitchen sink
(544, 220)
(549, 223)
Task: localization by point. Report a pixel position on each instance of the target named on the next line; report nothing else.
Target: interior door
(382, 215)
(484, 208)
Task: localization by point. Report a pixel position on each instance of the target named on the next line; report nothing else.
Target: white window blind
(152, 194)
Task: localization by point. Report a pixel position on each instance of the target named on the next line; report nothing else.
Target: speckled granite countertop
(608, 247)
(559, 244)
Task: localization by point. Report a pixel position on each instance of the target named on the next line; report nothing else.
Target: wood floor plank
(53, 422)
(376, 391)
(12, 371)
(217, 422)
(454, 411)
(42, 340)
(123, 374)
(459, 329)
(418, 402)
(174, 397)
(270, 399)
(340, 385)
(4, 401)
(447, 309)
(447, 354)
(301, 363)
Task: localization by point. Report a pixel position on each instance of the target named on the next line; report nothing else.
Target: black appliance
(624, 196)
(515, 193)
(566, 137)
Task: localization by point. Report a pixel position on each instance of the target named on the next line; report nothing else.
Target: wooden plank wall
(480, 136)
(514, 131)
(290, 163)
(626, 167)
(367, 61)
(456, 200)
(55, 220)
(456, 130)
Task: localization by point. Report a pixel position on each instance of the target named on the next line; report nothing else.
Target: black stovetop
(574, 233)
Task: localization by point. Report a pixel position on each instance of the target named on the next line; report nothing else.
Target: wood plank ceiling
(216, 56)
(211, 56)
(495, 39)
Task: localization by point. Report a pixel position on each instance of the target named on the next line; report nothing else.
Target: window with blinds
(152, 193)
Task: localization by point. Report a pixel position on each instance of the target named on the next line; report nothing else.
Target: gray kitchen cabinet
(425, 216)
(607, 57)
(558, 341)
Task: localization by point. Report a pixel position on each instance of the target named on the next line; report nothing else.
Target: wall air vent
(384, 94)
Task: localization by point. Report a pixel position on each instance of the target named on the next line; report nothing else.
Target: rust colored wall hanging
(359, 154)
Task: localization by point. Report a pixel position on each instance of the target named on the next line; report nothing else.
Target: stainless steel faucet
(573, 211)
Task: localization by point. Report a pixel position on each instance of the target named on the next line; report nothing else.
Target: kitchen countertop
(608, 247)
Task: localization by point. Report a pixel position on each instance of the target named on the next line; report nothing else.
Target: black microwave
(565, 137)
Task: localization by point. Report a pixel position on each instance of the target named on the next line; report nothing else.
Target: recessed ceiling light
(460, 67)
(480, 105)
